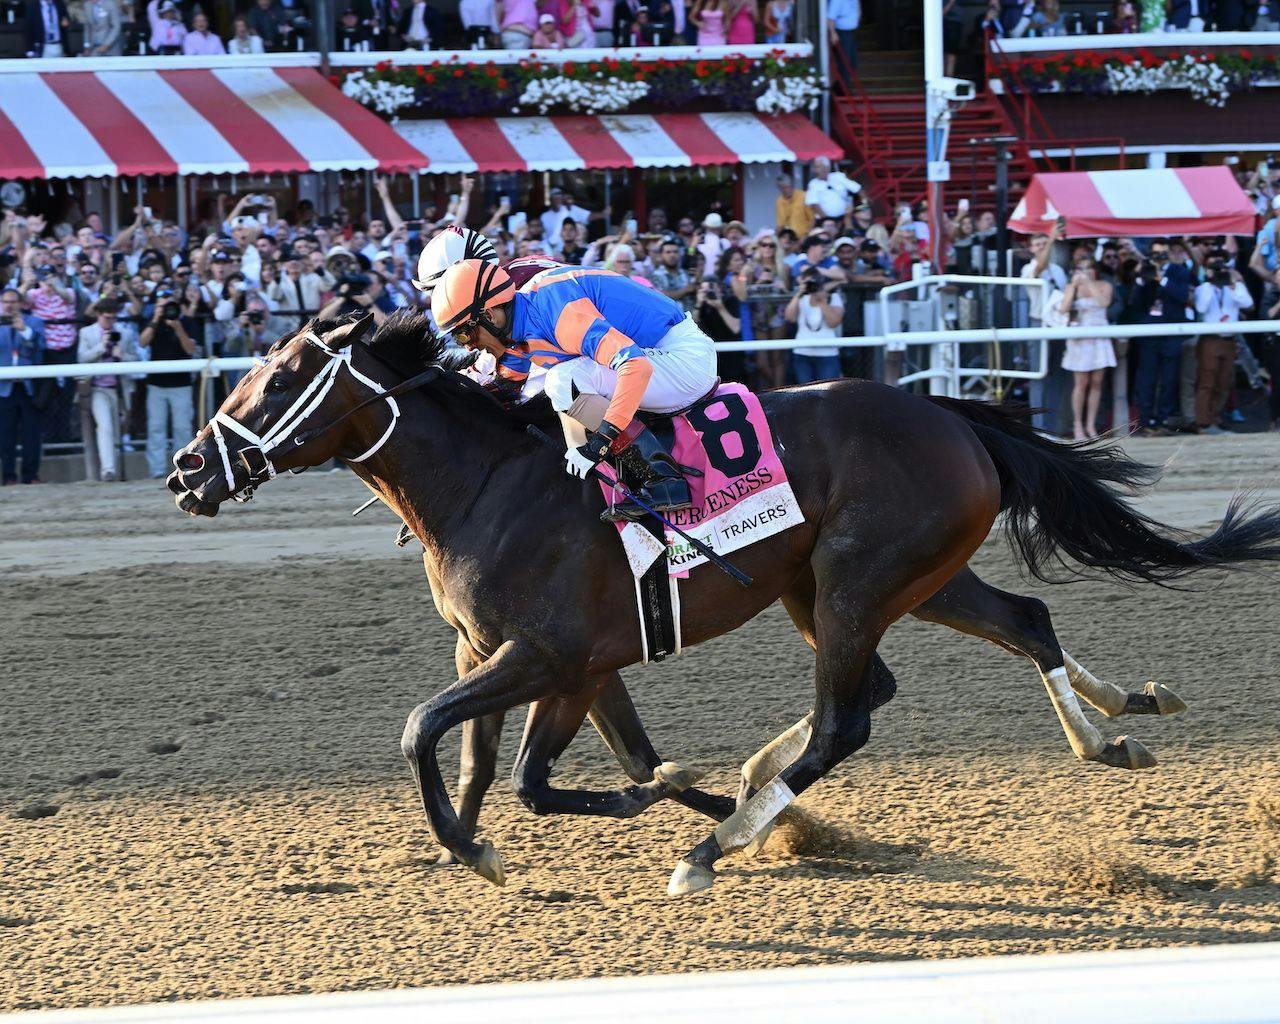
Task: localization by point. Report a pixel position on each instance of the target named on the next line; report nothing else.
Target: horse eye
(278, 385)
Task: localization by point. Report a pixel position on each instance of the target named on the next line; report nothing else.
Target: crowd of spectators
(1018, 18)
(72, 292)
(165, 27)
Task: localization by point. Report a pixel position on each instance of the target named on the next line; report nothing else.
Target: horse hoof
(674, 776)
(488, 864)
(756, 846)
(690, 878)
(1167, 702)
(1126, 752)
(447, 859)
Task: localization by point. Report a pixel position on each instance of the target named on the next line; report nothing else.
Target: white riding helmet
(451, 246)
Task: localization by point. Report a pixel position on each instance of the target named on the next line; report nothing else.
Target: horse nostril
(191, 461)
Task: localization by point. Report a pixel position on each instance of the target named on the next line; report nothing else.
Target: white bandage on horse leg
(1085, 740)
(1106, 697)
(589, 410)
(737, 830)
(777, 754)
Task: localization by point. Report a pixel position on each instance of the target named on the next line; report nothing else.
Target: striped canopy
(85, 124)
(580, 141)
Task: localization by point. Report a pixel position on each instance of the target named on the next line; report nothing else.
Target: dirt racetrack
(202, 794)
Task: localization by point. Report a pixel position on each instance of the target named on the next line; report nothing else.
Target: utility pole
(937, 118)
(323, 25)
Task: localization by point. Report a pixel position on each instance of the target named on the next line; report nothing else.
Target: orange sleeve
(633, 378)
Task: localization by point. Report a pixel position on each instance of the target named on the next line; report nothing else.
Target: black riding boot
(649, 471)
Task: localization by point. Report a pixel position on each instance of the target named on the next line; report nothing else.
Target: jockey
(610, 347)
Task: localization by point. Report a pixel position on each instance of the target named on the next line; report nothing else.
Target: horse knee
(420, 732)
(1039, 635)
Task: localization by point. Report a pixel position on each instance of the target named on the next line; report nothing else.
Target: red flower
(491, 71)
(593, 66)
(502, 83)
(1125, 58)
(335, 79)
(639, 76)
(458, 72)
(428, 78)
(382, 65)
(569, 67)
(700, 69)
(1246, 55)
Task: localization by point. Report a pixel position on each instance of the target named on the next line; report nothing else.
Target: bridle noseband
(255, 457)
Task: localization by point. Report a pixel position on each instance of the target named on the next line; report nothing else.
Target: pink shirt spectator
(711, 31)
(202, 44)
(520, 12)
(49, 305)
(167, 33)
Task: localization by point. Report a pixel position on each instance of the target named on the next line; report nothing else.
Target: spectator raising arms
(167, 30)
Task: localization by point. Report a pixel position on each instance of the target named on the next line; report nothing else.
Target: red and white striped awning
(261, 120)
(1178, 201)
(582, 142)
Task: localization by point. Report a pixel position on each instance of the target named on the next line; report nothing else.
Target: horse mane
(408, 344)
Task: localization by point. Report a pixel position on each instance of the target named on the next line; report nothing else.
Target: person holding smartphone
(105, 341)
(169, 404)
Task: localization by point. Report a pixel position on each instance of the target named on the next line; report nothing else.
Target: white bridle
(303, 406)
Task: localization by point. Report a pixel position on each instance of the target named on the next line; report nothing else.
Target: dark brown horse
(897, 493)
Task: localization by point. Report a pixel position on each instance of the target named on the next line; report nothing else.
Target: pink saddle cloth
(742, 495)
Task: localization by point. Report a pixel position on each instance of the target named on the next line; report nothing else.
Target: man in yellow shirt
(791, 209)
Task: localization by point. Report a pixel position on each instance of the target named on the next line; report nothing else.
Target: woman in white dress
(1086, 299)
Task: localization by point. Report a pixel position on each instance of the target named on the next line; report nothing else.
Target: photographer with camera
(250, 331)
(104, 341)
(1218, 300)
(355, 295)
(718, 314)
(817, 313)
(169, 404)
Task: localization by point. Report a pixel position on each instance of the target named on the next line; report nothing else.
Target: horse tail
(1065, 502)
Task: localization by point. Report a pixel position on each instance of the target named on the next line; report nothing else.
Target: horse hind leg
(1022, 625)
(551, 726)
(615, 718)
(1155, 698)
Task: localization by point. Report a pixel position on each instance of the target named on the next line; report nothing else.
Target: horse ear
(349, 334)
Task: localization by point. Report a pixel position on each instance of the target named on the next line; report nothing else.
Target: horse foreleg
(616, 720)
(1112, 701)
(551, 726)
(478, 761)
(840, 724)
(1022, 625)
(517, 673)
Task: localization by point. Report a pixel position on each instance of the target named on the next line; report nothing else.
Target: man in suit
(47, 25)
(1161, 295)
(21, 344)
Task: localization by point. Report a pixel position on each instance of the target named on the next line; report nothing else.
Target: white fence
(1209, 985)
(942, 342)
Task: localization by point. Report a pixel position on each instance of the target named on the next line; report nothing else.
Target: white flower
(583, 97)
(382, 96)
(787, 95)
(1206, 82)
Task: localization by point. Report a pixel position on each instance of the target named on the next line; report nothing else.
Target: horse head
(268, 423)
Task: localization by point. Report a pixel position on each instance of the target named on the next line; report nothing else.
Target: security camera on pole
(942, 95)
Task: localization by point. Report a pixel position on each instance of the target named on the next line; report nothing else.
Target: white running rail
(1237, 984)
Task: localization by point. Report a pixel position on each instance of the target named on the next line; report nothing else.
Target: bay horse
(897, 491)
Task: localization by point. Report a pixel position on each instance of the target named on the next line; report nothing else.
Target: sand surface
(202, 794)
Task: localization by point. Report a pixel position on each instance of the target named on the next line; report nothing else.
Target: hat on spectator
(337, 252)
(868, 244)
(168, 5)
(713, 220)
(844, 240)
(382, 254)
(220, 257)
(1275, 202)
(542, 19)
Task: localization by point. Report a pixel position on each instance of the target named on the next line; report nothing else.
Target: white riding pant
(684, 369)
